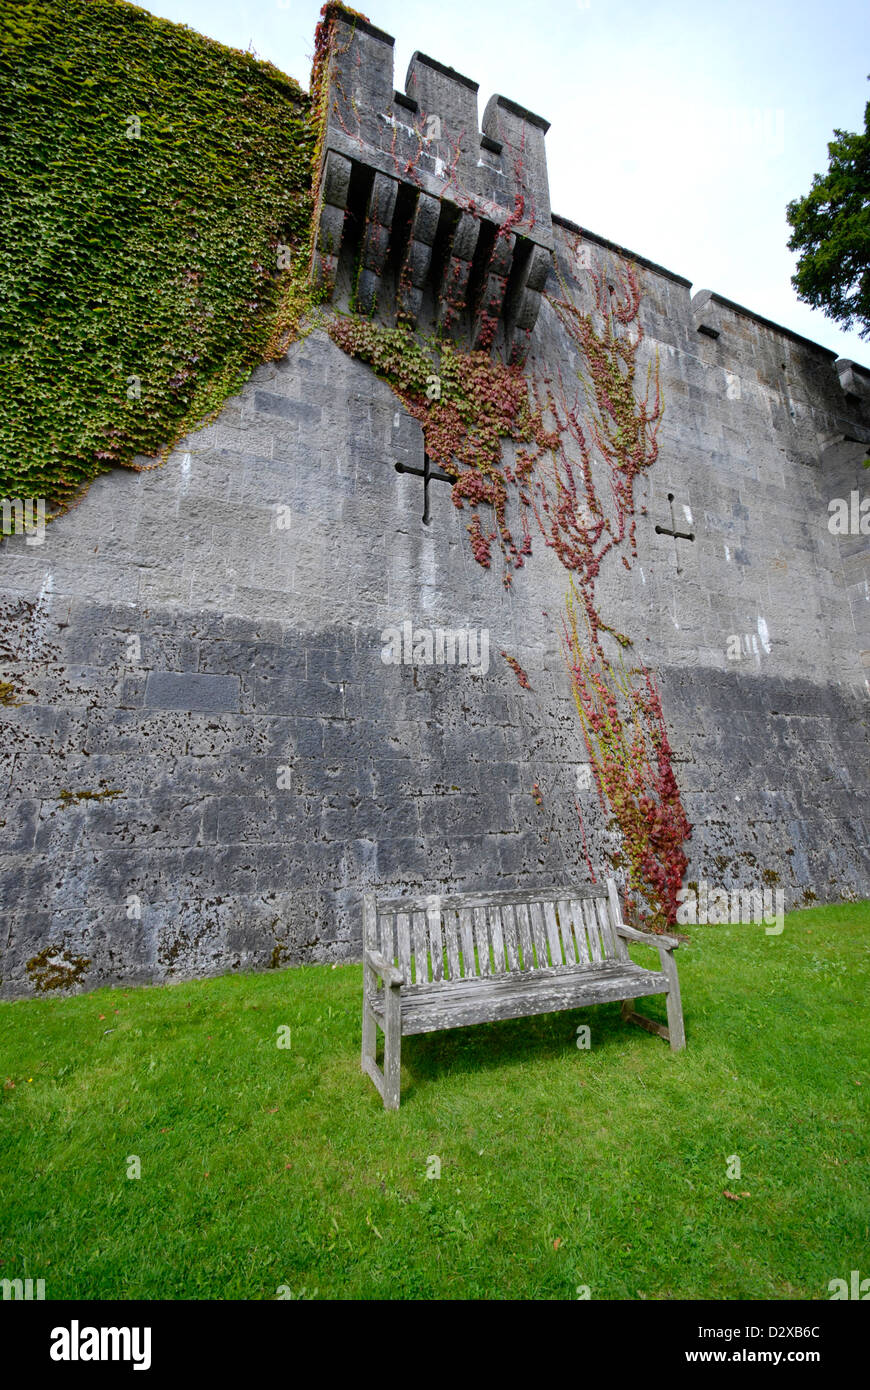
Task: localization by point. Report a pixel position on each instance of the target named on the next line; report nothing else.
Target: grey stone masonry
(420, 213)
(218, 720)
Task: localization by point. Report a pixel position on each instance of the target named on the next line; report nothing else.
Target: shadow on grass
(493, 1046)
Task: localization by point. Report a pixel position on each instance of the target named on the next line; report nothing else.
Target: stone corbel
(418, 257)
(330, 219)
(451, 297)
(376, 241)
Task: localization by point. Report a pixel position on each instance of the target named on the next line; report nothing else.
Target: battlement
(422, 215)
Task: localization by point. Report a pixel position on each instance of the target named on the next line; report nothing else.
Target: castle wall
(205, 757)
(758, 436)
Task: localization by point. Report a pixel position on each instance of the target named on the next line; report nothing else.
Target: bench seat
(432, 1008)
(438, 962)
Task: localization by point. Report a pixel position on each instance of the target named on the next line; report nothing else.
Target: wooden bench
(446, 962)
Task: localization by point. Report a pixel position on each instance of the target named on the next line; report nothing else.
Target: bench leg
(387, 1081)
(675, 1033)
(392, 1049)
(676, 1028)
(369, 1035)
(369, 1048)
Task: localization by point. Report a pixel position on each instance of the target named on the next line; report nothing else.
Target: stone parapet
(422, 216)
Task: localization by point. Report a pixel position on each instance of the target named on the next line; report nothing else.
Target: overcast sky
(679, 129)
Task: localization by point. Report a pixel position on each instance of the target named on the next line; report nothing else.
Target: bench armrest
(648, 938)
(390, 973)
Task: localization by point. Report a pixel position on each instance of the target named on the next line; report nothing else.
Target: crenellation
(391, 160)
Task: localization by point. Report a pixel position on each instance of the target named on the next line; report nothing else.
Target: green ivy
(154, 258)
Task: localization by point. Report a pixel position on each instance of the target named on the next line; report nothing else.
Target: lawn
(267, 1168)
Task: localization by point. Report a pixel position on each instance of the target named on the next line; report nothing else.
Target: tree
(831, 230)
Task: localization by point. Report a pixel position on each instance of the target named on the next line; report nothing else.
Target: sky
(680, 129)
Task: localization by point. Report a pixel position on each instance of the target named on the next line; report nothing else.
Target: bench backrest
(453, 937)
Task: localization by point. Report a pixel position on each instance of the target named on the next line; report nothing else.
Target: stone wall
(210, 758)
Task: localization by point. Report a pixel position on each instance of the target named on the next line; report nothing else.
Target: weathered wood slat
(521, 912)
(540, 936)
(450, 920)
(676, 1027)
(467, 935)
(511, 939)
(460, 900)
(583, 957)
(481, 941)
(421, 949)
(620, 948)
(369, 1026)
(387, 936)
(370, 920)
(605, 931)
(591, 921)
(403, 932)
(563, 909)
(477, 1004)
(497, 938)
(436, 944)
(552, 933)
(392, 1025)
(583, 932)
(551, 977)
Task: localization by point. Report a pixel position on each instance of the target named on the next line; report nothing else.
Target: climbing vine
(618, 426)
(469, 406)
(619, 708)
(155, 198)
(521, 675)
(626, 739)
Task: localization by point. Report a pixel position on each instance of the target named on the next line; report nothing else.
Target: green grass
(265, 1167)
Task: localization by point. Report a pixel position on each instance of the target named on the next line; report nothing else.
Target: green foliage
(155, 257)
(467, 404)
(267, 1168)
(832, 232)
